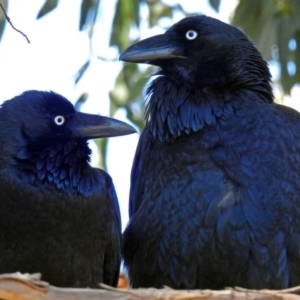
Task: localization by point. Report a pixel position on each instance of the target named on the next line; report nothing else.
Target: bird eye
(191, 35)
(59, 120)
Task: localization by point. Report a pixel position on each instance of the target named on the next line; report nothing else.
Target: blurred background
(74, 48)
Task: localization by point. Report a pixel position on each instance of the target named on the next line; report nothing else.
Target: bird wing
(140, 159)
(112, 256)
(261, 157)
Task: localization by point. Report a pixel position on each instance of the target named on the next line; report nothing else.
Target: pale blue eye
(191, 35)
(59, 120)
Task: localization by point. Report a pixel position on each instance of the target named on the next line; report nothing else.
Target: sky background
(56, 52)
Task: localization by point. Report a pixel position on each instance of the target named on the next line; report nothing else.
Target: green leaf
(158, 10)
(294, 20)
(48, 6)
(282, 42)
(273, 23)
(81, 100)
(215, 4)
(127, 92)
(81, 71)
(297, 57)
(102, 147)
(126, 15)
(2, 17)
(86, 7)
(256, 19)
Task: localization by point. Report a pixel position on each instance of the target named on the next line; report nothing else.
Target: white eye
(59, 120)
(191, 35)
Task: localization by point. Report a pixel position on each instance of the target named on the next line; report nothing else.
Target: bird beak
(90, 126)
(157, 47)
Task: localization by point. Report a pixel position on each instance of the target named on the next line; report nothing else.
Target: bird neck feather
(177, 105)
(175, 109)
(59, 163)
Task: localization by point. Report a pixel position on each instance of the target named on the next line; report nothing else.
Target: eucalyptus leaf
(81, 100)
(215, 4)
(2, 17)
(271, 25)
(283, 38)
(158, 10)
(87, 6)
(48, 6)
(81, 71)
(297, 57)
(126, 16)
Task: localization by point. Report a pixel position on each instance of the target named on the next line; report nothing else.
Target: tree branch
(11, 24)
(29, 287)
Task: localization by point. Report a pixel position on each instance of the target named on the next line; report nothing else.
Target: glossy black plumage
(58, 215)
(215, 183)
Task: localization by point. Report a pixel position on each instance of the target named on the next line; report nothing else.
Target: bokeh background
(74, 48)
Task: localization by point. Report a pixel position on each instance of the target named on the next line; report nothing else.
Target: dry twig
(11, 24)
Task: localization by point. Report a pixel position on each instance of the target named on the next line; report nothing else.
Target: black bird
(215, 184)
(58, 215)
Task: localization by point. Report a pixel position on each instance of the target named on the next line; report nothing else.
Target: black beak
(152, 49)
(90, 126)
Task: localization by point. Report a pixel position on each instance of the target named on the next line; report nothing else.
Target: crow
(58, 215)
(215, 183)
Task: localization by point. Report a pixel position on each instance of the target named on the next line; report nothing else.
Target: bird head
(206, 53)
(46, 115)
(41, 133)
(205, 65)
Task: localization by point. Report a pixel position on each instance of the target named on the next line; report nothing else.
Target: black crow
(215, 184)
(58, 215)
